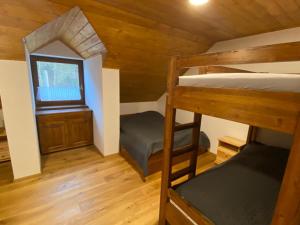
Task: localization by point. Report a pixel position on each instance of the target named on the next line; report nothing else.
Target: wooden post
(287, 211)
(251, 134)
(195, 142)
(170, 118)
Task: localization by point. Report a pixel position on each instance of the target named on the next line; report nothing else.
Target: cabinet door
(53, 135)
(4, 151)
(80, 130)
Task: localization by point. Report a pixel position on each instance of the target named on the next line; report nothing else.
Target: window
(57, 81)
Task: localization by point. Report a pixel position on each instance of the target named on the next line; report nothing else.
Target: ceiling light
(198, 2)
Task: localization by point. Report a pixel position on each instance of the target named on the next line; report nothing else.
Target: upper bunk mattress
(241, 191)
(254, 81)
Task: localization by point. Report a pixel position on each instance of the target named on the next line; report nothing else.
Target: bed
(261, 100)
(141, 140)
(250, 186)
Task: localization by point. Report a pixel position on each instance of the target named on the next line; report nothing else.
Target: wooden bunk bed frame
(279, 111)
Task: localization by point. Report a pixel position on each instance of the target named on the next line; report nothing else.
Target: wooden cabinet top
(232, 141)
(60, 111)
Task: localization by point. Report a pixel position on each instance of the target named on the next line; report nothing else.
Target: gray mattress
(142, 135)
(241, 191)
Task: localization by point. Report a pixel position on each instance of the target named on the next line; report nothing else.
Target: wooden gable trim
(73, 29)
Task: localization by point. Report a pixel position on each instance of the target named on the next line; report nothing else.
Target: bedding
(241, 191)
(142, 135)
(254, 81)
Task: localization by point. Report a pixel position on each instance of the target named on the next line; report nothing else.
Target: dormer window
(57, 81)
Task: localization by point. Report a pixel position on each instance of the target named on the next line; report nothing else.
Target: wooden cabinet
(227, 148)
(4, 150)
(64, 129)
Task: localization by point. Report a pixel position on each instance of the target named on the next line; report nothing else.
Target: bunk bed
(277, 108)
(141, 142)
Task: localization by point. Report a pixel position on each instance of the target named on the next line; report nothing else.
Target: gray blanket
(142, 135)
(243, 190)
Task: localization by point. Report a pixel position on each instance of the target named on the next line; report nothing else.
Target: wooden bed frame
(279, 111)
(155, 162)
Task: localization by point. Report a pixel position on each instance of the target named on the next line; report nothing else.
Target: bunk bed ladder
(192, 148)
(170, 153)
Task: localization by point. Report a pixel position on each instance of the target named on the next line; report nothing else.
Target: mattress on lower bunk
(241, 191)
(142, 135)
(254, 81)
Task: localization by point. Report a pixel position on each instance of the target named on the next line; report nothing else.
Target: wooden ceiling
(73, 29)
(141, 35)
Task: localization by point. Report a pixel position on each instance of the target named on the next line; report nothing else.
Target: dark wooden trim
(33, 62)
(195, 142)
(251, 136)
(185, 126)
(287, 211)
(168, 139)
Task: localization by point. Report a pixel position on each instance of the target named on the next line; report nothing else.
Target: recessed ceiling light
(198, 2)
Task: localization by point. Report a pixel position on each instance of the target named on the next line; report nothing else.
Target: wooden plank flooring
(81, 187)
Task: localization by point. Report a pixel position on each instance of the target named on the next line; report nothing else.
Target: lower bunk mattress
(142, 135)
(241, 191)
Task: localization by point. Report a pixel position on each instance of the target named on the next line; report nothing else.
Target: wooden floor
(81, 187)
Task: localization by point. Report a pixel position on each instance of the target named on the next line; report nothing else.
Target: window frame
(35, 80)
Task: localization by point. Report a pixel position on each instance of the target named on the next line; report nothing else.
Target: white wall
(136, 107)
(93, 97)
(282, 36)
(111, 106)
(277, 37)
(103, 97)
(57, 49)
(15, 92)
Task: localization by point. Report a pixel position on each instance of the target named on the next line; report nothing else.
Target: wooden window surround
(49, 103)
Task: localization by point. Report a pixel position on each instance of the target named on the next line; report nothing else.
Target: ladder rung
(183, 150)
(186, 126)
(181, 173)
